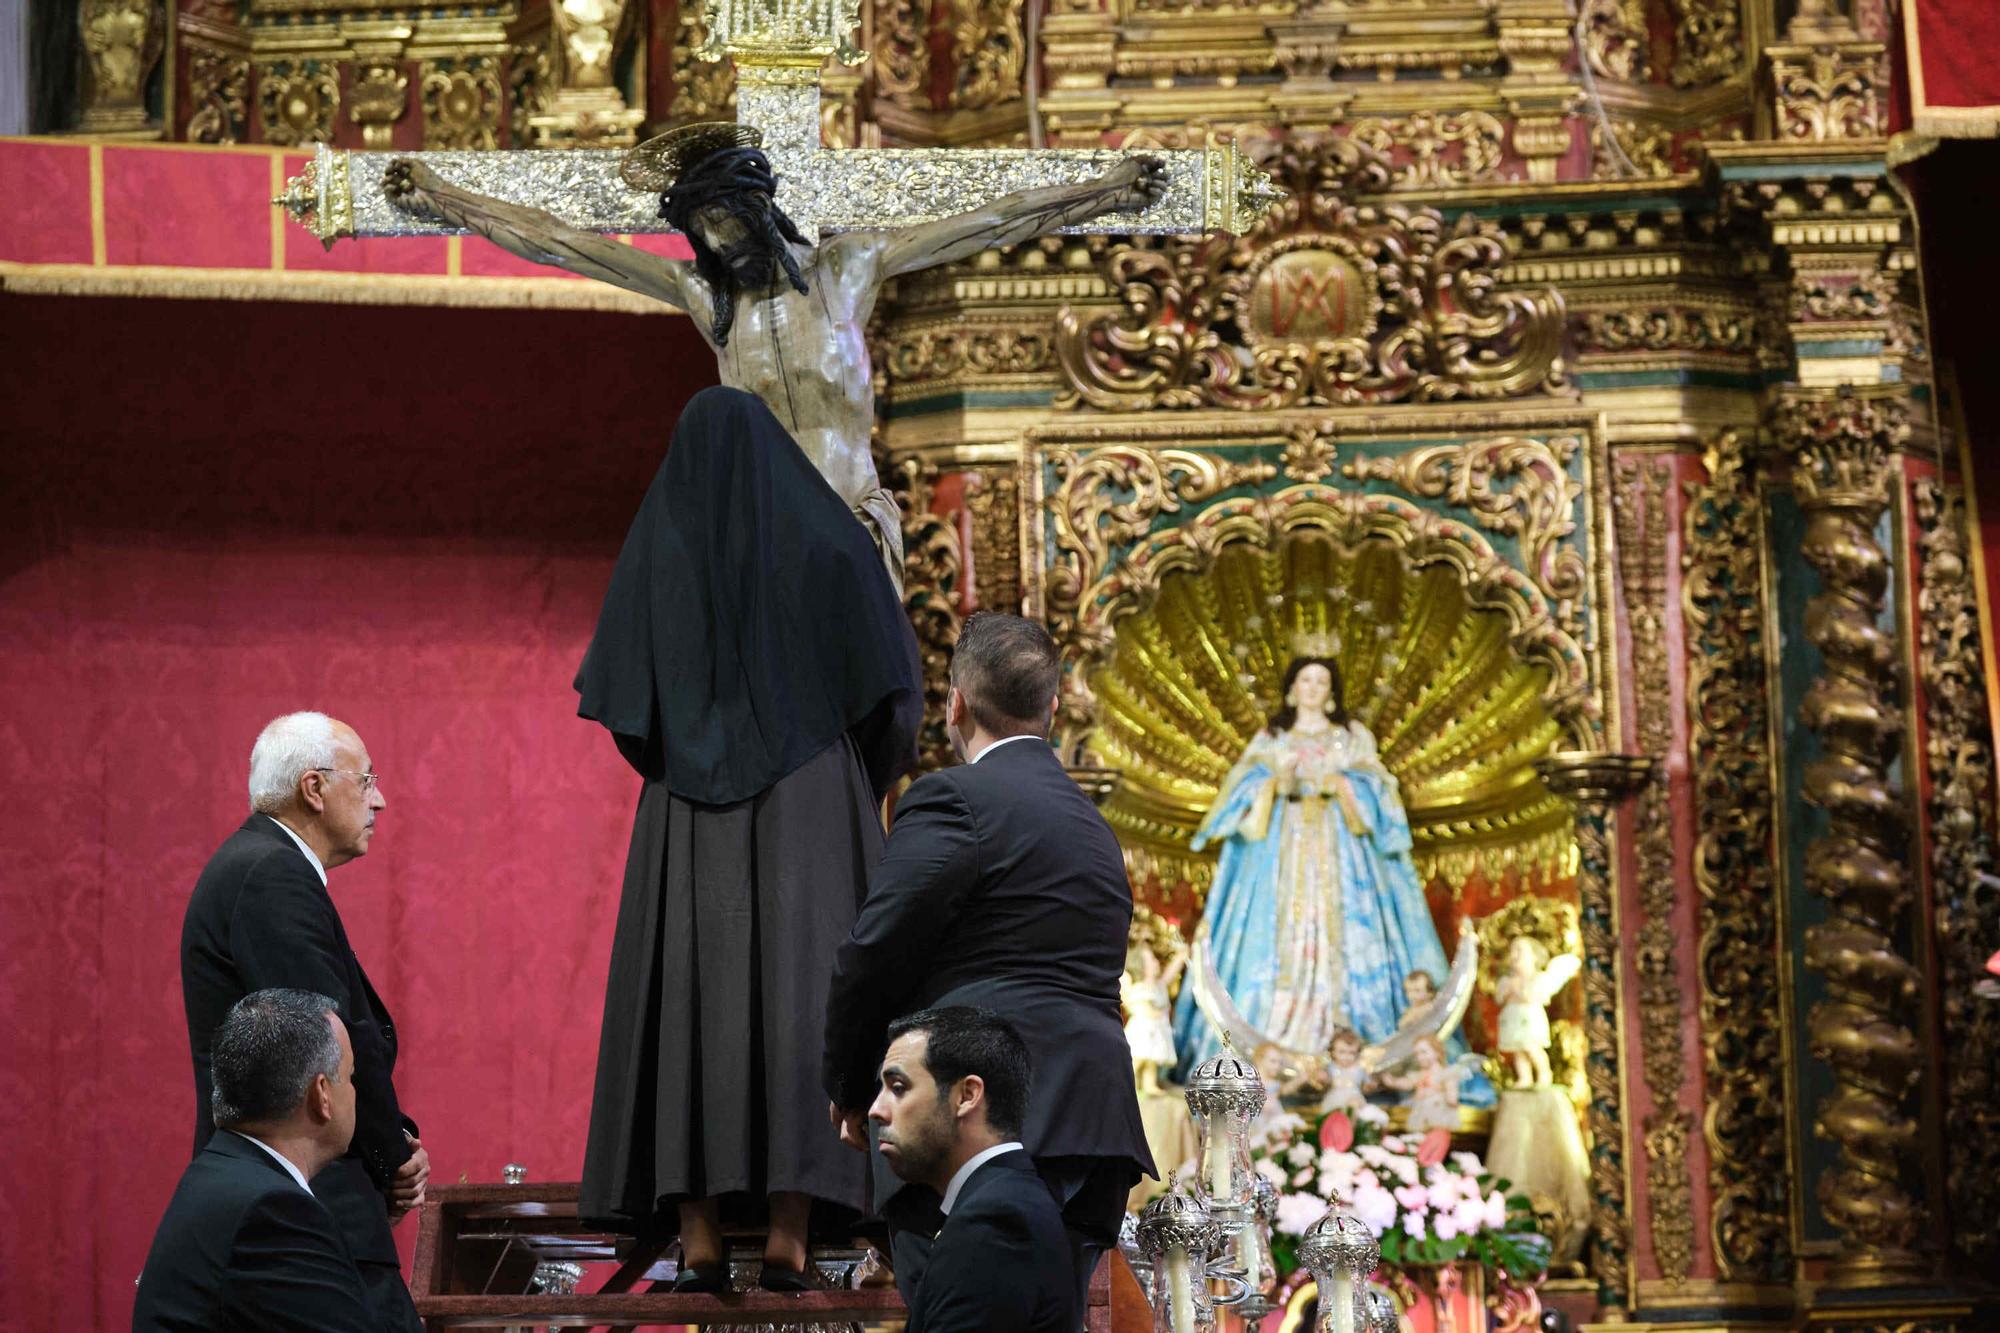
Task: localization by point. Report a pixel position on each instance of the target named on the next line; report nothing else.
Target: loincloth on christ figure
(756, 668)
(883, 517)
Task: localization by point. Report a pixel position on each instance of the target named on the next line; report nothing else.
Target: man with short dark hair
(1001, 886)
(245, 1245)
(954, 1095)
(260, 917)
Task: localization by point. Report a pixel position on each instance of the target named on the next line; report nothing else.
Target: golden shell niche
(1459, 717)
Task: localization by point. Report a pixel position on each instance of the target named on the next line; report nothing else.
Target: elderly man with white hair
(261, 917)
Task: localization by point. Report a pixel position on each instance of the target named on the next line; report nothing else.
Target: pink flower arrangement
(1434, 1214)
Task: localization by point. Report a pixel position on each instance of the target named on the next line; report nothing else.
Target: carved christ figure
(787, 320)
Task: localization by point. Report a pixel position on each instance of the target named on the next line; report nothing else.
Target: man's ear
(955, 709)
(312, 791)
(970, 1096)
(319, 1100)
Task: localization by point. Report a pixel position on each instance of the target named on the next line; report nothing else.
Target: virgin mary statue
(1316, 917)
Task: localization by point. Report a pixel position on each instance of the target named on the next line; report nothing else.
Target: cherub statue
(788, 320)
(1146, 990)
(1432, 1086)
(1346, 1078)
(1523, 991)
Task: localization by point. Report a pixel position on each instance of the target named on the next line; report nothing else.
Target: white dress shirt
(291, 1167)
(311, 856)
(1008, 740)
(974, 1163)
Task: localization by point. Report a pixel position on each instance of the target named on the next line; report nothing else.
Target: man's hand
(406, 1191)
(407, 185)
(1140, 183)
(852, 1126)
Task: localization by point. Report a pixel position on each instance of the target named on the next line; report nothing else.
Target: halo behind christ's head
(656, 164)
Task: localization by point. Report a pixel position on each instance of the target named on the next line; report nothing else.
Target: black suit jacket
(260, 917)
(1001, 1264)
(242, 1249)
(1000, 886)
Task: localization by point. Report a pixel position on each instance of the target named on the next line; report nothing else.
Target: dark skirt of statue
(756, 667)
(708, 1071)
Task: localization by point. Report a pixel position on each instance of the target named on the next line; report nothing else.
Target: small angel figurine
(1433, 1087)
(1419, 989)
(1347, 1080)
(1524, 990)
(1149, 1028)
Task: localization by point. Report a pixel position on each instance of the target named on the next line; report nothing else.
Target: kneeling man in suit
(954, 1095)
(245, 1247)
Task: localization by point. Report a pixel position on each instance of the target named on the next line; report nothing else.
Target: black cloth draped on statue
(748, 624)
(755, 666)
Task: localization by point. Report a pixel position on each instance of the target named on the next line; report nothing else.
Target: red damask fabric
(1951, 55)
(214, 513)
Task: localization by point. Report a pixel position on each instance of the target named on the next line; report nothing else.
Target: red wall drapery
(218, 512)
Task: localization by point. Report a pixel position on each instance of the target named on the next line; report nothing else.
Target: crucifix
(792, 241)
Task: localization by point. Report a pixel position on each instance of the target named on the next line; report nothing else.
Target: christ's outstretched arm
(535, 234)
(1129, 187)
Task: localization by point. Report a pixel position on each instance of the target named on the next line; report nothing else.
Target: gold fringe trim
(244, 284)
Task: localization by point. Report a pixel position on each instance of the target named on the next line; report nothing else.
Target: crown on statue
(1320, 644)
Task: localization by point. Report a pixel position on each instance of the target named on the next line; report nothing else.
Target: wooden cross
(779, 47)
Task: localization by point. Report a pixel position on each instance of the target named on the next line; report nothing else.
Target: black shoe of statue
(774, 1278)
(702, 1278)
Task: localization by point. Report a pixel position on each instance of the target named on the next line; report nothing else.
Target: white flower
(1496, 1211)
(1299, 1154)
(1376, 1208)
(1373, 1154)
(1445, 1225)
(1469, 1216)
(1271, 1171)
(1443, 1192)
(1469, 1163)
(1297, 1213)
(1413, 1225)
(1372, 1114)
(1302, 1178)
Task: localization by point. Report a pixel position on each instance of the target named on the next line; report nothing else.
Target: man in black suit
(261, 917)
(948, 1118)
(1001, 886)
(245, 1247)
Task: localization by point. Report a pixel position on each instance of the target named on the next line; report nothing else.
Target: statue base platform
(503, 1256)
(1537, 1146)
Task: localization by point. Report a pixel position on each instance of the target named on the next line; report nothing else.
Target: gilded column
(1958, 753)
(1841, 445)
(1597, 781)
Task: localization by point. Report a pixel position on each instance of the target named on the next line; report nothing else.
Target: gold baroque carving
(1708, 42)
(940, 353)
(377, 99)
(901, 49)
(703, 90)
(993, 495)
(1828, 92)
(1432, 323)
(1959, 758)
(462, 103)
(1535, 509)
(1640, 503)
(931, 569)
(1614, 38)
(1428, 139)
(1664, 329)
(298, 101)
(219, 88)
(987, 53)
(1649, 150)
(1722, 606)
(1108, 498)
(1841, 446)
(121, 44)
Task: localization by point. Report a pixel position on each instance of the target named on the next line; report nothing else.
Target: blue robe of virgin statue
(1316, 915)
